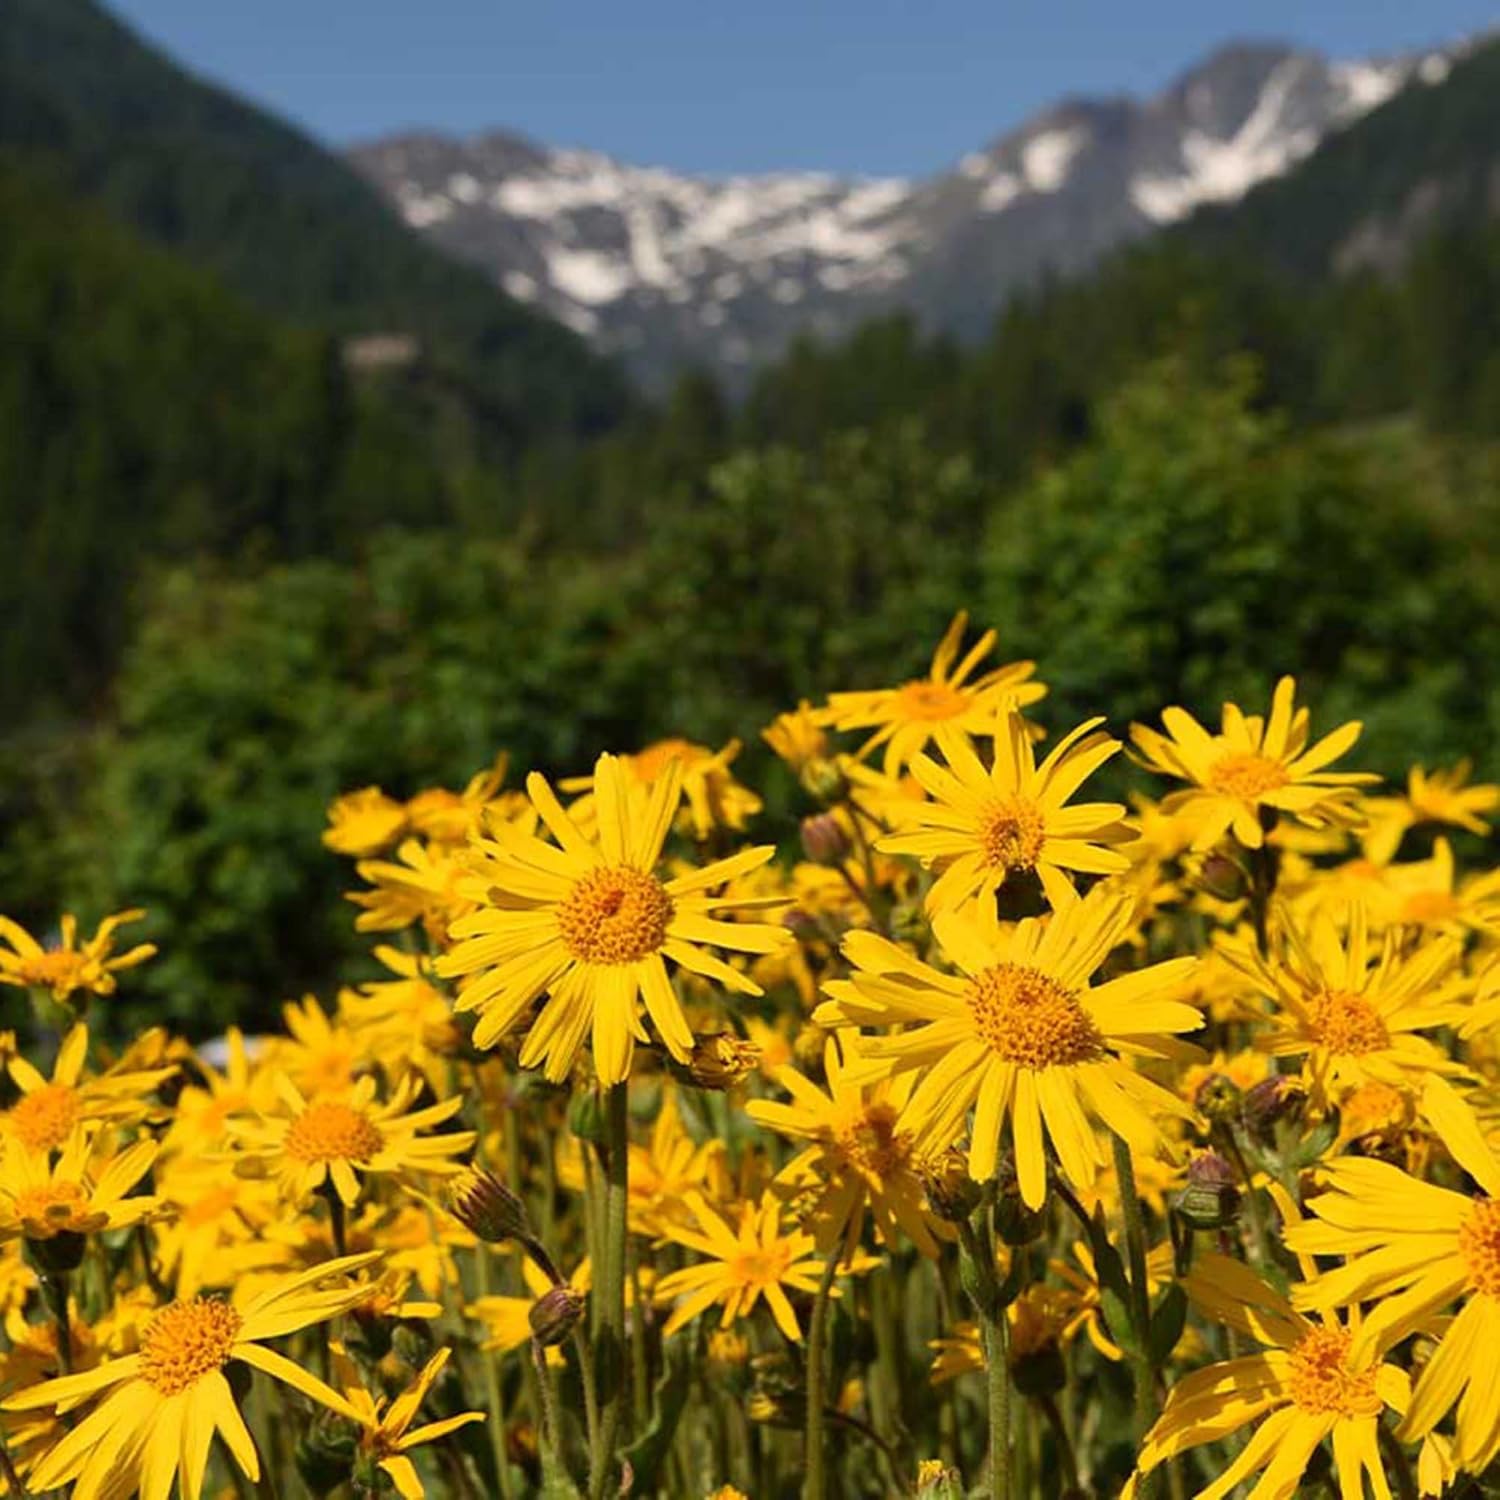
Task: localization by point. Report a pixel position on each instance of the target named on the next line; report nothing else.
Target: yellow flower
(1252, 768)
(166, 1401)
(799, 736)
(714, 798)
(321, 1056)
(665, 1172)
(386, 1435)
(860, 1158)
(420, 885)
(1313, 1381)
(406, 1020)
(905, 718)
(1427, 893)
(39, 1200)
(201, 1113)
(337, 1138)
(754, 1260)
(1435, 797)
(217, 1233)
(450, 817)
(1419, 1248)
(589, 923)
(70, 966)
(984, 825)
(364, 822)
(1022, 1034)
(1351, 1011)
(49, 1108)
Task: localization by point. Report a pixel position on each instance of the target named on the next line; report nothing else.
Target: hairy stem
(815, 1478)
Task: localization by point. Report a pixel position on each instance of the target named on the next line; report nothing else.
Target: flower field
(1060, 1110)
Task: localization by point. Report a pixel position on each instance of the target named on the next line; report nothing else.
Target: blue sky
(877, 86)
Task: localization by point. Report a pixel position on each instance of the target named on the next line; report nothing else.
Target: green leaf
(1167, 1321)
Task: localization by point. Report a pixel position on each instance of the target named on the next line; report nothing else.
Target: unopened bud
(586, 1116)
(1039, 1372)
(1210, 1199)
(719, 1061)
(1218, 1099)
(1221, 877)
(555, 1314)
(411, 1343)
(952, 1193)
(487, 1208)
(325, 1455)
(824, 782)
(1015, 1223)
(936, 1481)
(1271, 1100)
(56, 1254)
(824, 841)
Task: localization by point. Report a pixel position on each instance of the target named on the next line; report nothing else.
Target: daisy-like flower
(984, 825)
(757, 1259)
(199, 1119)
(45, 1115)
(363, 823)
(860, 1158)
(339, 1138)
(70, 966)
(713, 798)
(1021, 1033)
(1041, 1316)
(1431, 797)
(1313, 1381)
(1252, 768)
(421, 884)
(1353, 1010)
(39, 1200)
(905, 718)
(799, 736)
(1428, 893)
(386, 1435)
(1419, 1248)
(589, 923)
(166, 1401)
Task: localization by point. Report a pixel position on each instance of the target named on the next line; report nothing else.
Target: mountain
(279, 219)
(666, 270)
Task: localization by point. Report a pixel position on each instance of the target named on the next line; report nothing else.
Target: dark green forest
(245, 573)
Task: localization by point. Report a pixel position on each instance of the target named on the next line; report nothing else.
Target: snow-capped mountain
(667, 270)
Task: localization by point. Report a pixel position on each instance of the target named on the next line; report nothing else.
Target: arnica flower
(1021, 1033)
(1419, 1248)
(70, 966)
(860, 1157)
(799, 736)
(1351, 1010)
(756, 1259)
(338, 1138)
(45, 1115)
(421, 884)
(72, 1195)
(386, 1434)
(364, 822)
(713, 798)
(1313, 1381)
(589, 924)
(1428, 894)
(166, 1401)
(1445, 797)
(1253, 767)
(905, 718)
(984, 825)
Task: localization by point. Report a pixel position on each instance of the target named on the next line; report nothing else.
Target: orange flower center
(762, 1266)
(52, 1209)
(653, 761)
(1479, 1245)
(1321, 1381)
(58, 968)
(1011, 833)
(43, 1119)
(186, 1341)
(615, 915)
(925, 699)
(868, 1140)
(1246, 776)
(1031, 1020)
(1346, 1023)
(330, 1131)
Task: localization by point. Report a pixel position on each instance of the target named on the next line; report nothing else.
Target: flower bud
(952, 1193)
(487, 1208)
(1211, 1198)
(1270, 1100)
(326, 1453)
(824, 841)
(411, 1343)
(1221, 877)
(824, 782)
(719, 1062)
(555, 1314)
(1039, 1372)
(1219, 1099)
(586, 1116)
(1015, 1223)
(936, 1481)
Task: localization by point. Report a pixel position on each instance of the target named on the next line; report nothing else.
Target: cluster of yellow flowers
(1004, 1141)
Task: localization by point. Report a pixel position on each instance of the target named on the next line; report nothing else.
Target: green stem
(336, 1222)
(55, 1285)
(814, 1481)
(1064, 1442)
(493, 1394)
(590, 1399)
(611, 1343)
(997, 1367)
(1255, 1211)
(1140, 1297)
(552, 1460)
(1397, 1464)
